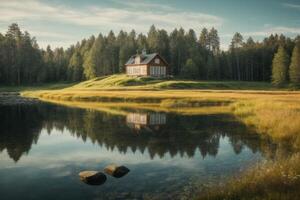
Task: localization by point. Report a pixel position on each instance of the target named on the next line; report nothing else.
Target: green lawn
(127, 82)
(124, 82)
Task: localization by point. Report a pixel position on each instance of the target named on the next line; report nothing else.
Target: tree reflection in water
(158, 133)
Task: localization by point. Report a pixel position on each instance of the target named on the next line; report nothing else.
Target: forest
(190, 55)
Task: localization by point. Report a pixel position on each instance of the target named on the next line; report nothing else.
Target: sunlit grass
(122, 108)
(279, 118)
(129, 82)
(274, 180)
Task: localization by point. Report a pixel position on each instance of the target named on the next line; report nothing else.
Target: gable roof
(145, 59)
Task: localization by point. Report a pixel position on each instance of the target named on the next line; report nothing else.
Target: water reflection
(45, 146)
(20, 128)
(158, 133)
(149, 121)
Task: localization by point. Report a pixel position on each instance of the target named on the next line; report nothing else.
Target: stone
(116, 171)
(92, 177)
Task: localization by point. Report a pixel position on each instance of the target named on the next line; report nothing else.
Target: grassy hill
(127, 82)
(162, 92)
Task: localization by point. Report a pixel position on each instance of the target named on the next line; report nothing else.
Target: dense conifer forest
(191, 55)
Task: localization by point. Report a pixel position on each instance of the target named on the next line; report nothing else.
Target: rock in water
(116, 171)
(92, 177)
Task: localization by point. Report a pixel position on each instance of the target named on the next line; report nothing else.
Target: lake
(44, 146)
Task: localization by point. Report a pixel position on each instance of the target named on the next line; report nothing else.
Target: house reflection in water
(147, 121)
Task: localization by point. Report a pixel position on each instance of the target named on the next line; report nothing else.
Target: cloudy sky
(64, 22)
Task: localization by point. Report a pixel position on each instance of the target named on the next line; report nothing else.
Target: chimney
(144, 51)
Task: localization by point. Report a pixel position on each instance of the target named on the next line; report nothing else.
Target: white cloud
(273, 30)
(110, 17)
(289, 5)
(48, 34)
(266, 31)
(35, 15)
(144, 5)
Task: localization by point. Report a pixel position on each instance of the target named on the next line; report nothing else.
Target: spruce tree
(280, 67)
(294, 70)
(76, 65)
(203, 39)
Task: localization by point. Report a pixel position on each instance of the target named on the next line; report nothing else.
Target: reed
(274, 180)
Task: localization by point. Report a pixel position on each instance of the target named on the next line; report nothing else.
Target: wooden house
(147, 65)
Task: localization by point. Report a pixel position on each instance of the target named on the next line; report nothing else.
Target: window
(134, 70)
(157, 61)
(151, 70)
(163, 70)
(157, 70)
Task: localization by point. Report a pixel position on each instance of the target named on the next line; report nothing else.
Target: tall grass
(274, 180)
(279, 118)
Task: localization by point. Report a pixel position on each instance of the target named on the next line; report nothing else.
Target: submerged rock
(92, 177)
(116, 171)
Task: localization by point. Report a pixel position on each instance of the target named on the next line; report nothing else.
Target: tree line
(189, 55)
(284, 69)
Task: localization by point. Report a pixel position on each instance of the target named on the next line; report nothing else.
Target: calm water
(43, 147)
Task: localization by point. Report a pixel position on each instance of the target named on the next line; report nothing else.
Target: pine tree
(152, 39)
(294, 69)
(203, 39)
(214, 41)
(235, 48)
(76, 66)
(280, 67)
(210, 68)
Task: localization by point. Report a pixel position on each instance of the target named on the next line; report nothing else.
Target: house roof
(145, 59)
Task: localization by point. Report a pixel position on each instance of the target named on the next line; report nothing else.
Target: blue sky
(61, 23)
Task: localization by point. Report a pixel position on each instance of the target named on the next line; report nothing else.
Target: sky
(61, 23)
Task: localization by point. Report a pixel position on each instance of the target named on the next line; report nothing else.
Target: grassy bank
(279, 118)
(36, 87)
(166, 92)
(123, 108)
(163, 98)
(274, 180)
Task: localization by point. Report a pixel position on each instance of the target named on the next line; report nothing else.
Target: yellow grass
(275, 180)
(278, 117)
(122, 108)
(276, 113)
